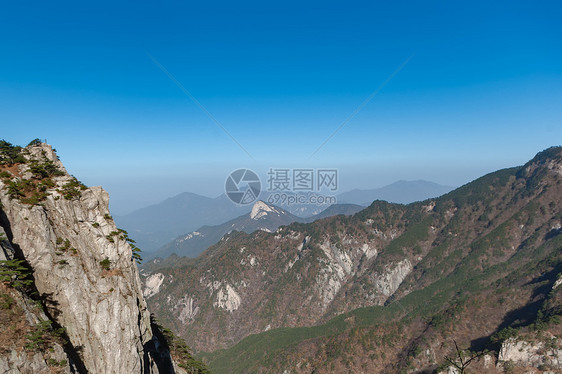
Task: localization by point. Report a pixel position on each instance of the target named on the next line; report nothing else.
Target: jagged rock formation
(544, 352)
(529, 353)
(393, 284)
(82, 265)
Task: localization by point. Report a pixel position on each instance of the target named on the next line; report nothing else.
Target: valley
(473, 257)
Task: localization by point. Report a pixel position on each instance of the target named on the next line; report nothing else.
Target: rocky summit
(70, 290)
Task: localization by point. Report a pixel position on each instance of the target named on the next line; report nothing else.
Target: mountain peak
(549, 159)
(261, 209)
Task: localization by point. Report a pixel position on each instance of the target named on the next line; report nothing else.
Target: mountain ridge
(263, 216)
(156, 225)
(388, 258)
(400, 192)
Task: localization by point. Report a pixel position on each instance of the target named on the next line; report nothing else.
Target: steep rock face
(15, 360)
(531, 353)
(389, 281)
(18, 317)
(83, 268)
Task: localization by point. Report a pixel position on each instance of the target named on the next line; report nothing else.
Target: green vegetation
(33, 191)
(123, 235)
(255, 348)
(19, 188)
(42, 336)
(136, 251)
(424, 303)
(72, 189)
(35, 142)
(6, 301)
(478, 192)
(45, 169)
(55, 363)
(415, 234)
(63, 245)
(110, 236)
(15, 273)
(29, 191)
(136, 254)
(105, 264)
(10, 154)
(500, 336)
(180, 352)
(35, 199)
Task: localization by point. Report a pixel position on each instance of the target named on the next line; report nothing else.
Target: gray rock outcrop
(83, 267)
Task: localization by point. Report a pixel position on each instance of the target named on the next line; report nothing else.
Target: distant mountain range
(401, 192)
(394, 288)
(263, 216)
(159, 224)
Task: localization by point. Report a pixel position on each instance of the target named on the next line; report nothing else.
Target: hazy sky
(481, 89)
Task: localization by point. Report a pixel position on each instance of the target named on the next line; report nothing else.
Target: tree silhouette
(462, 359)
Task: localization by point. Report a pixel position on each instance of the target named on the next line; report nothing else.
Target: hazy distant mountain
(262, 217)
(401, 192)
(160, 223)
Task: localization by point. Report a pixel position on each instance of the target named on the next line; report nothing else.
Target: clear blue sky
(482, 90)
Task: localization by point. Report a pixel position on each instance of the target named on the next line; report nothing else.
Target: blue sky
(482, 90)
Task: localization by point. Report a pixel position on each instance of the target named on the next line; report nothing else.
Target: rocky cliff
(24, 324)
(83, 268)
